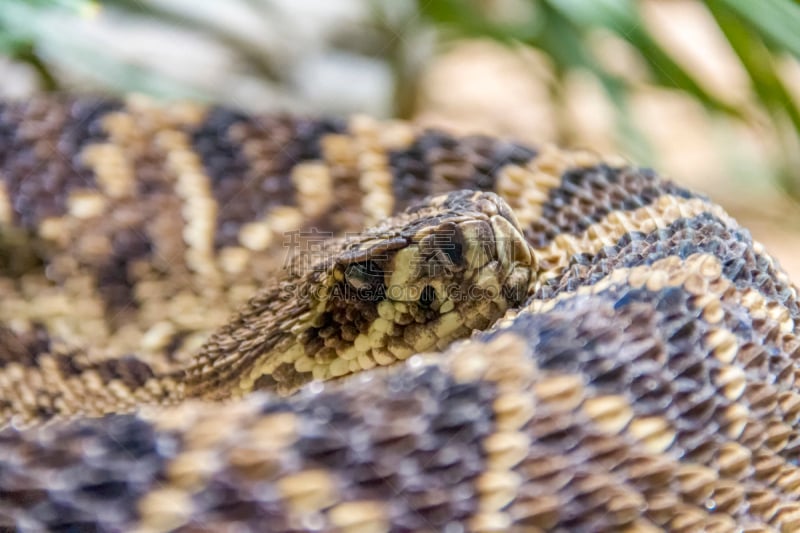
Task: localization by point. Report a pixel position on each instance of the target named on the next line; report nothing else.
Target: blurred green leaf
(256, 59)
(562, 40)
(563, 29)
(469, 20)
(777, 21)
(760, 32)
(765, 80)
(622, 18)
(18, 35)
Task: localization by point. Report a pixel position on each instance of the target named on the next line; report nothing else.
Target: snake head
(415, 283)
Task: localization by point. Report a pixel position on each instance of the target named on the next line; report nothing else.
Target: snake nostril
(427, 296)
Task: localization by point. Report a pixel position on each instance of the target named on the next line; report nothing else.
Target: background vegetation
(377, 56)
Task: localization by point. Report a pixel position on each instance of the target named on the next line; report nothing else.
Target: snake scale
(215, 321)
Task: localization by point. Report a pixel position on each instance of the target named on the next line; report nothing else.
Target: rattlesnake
(433, 333)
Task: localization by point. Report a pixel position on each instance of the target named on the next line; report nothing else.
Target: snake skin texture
(647, 380)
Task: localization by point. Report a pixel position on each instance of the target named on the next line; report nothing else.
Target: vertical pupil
(453, 251)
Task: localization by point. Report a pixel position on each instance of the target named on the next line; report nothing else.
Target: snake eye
(427, 297)
(450, 242)
(364, 275)
(454, 251)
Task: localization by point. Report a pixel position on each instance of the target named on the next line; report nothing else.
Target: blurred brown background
(706, 92)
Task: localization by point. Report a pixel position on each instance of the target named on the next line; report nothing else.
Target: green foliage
(18, 36)
(17, 30)
(761, 33)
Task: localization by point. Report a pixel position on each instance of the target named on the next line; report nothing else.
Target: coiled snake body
(433, 333)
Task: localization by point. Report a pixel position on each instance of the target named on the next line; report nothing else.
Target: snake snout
(515, 257)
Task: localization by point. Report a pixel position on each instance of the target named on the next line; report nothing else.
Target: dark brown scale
(346, 314)
(762, 399)
(24, 349)
(592, 498)
(332, 342)
(147, 228)
(349, 332)
(604, 450)
(69, 365)
(328, 353)
(700, 448)
(223, 502)
(362, 323)
(785, 372)
(773, 334)
(752, 435)
(697, 406)
(793, 347)
(40, 143)
(729, 498)
(114, 280)
(324, 447)
(174, 345)
(437, 162)
(327, 331)
(247, 186)
(684, 365)
(324, 342)
(313, 342)
(284, 375)
(132, 372)
(647, 472)
(652, 391)
(397, 444)
(586, 195)
(767, 466)
(552, 472)
(23, 498)
(438, 507)
(751, 356)
(375, 477)
(151, 180)
(422, 315)
(551, 429)
(403, 319)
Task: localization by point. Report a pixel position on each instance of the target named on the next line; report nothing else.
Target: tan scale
(6, 209)
(373, 166)
(528, 187)
(359, 517)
